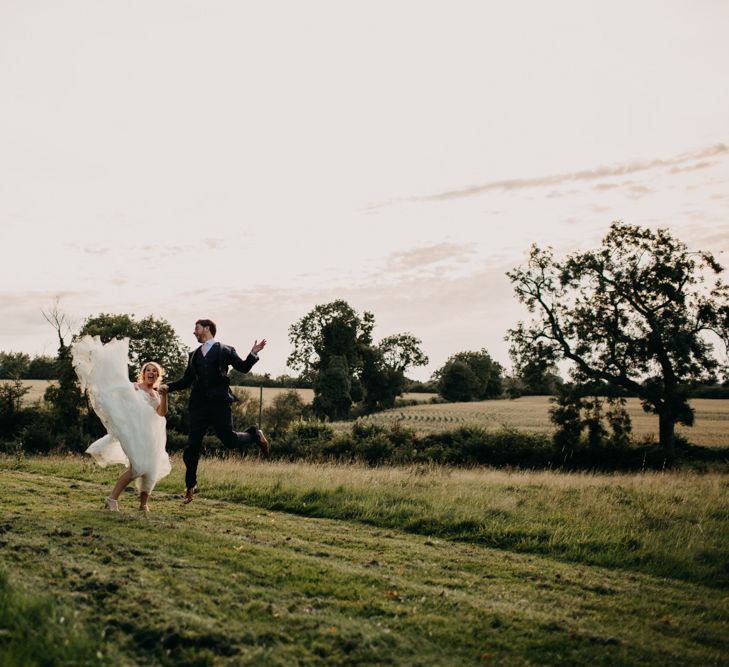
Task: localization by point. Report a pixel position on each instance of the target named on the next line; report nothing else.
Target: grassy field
(531, 414)
(283, 564)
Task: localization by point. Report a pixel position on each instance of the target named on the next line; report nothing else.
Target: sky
(245, 161)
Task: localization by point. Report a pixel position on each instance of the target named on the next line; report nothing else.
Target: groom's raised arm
(244, 365)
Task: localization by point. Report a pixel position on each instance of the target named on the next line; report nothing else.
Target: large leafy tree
(402, 351)
(535, 376)
(42, 367)
(14, 365)
(469, 376)
(638, 313)
(328, 344)
(332, 389)
(150, 339)
(383, 369)
(332, 329)
(333, 348)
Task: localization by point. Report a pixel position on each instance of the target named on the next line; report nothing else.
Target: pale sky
(246, 161)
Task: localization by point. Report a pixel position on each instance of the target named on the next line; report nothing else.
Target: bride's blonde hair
(160, 373)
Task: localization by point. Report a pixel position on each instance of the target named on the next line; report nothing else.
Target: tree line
(18, 365)
(642, 315)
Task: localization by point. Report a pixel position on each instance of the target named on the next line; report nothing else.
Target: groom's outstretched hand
(162, 389)
(257, 347)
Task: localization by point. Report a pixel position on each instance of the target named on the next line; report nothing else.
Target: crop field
(302, 564)
(36, 389)
(531, 414)
(307, 395)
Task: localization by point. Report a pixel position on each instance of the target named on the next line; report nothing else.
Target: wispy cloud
(426, 256)
(151, 250)
(90, 249)
(638, 191)
(685, 162)
(692, 167)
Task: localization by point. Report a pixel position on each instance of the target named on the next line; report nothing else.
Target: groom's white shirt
(205, 347)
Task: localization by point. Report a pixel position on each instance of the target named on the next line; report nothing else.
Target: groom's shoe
(189, 494)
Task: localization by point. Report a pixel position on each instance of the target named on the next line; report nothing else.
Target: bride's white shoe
(112, 505)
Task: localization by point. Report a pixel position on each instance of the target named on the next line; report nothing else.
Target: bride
(133, 414)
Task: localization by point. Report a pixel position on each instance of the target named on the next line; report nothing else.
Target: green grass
(34, 630)
(294, 564)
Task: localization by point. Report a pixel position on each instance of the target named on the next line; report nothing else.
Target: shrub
(12, 413)
(286, 408)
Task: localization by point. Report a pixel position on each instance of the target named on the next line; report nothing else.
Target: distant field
(38, 388)
(531, 414)
(307, 395)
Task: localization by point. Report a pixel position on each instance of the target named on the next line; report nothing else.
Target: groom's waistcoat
(211, 382)
(208, 375)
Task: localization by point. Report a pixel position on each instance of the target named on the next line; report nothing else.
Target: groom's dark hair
(209, 324)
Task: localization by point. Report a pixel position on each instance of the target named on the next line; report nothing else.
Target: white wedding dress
(136, 433)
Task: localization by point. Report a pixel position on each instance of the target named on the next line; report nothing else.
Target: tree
(537, 376)
(11, 406)
(13, 365)
(469, 376)
(150, 339)
(637, 313)
(402, 351)
(457, 382)
(42, 367)
(578, 408)
(335, 323)
(65, 398)
(332, 387)
(383, 369)
(333, 339)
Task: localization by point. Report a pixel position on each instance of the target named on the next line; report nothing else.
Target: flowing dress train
(136, 433)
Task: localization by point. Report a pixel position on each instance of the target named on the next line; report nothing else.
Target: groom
(211, 398)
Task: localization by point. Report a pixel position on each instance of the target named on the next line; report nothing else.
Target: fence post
(260, 408)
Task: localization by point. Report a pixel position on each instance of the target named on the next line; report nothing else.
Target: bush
(286, 408)
(39, 436)
(375, 449)
(717, 391)
(471, 446)
(12, 413)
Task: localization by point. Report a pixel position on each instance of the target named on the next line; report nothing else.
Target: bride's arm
(162, 407)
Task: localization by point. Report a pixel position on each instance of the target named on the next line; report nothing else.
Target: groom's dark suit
(210, 401)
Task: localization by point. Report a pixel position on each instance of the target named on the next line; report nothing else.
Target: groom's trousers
(218, 415)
